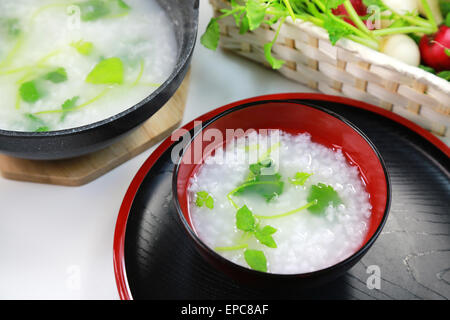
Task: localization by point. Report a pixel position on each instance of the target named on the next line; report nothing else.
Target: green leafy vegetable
(256, 12)
(267, 185)
(445, 7)
(57, 76)
(29, 92)
(245, 220)
(42, 129)
(210, 39)
(264, 236)
(336, 30)
(123, 4)
(11, 26)
(36, 123)
(92, 10)
(427, 68)
(444, 75)
(333, 4)
(323, 196)
(83, 47)
(68, 105)
(203, 198)
(256, 259)
(266, 188)
(108, 71)
(300, 178)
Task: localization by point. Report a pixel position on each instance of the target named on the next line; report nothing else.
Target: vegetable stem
(408, 29)
(355, 17)
(289, 8)
(282, 215)
(429, 14)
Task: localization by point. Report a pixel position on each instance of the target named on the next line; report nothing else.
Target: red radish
(359, 7)
(434, 49)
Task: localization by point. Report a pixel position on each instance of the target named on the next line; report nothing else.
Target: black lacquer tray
(155, 260)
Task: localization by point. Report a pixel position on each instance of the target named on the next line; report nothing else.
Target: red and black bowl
(326, 128)
(82, 140)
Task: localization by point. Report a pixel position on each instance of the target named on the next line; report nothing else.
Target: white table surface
(56, 242)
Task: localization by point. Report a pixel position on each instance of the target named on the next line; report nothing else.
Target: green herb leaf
(256, 260)
(83, 47)
(323, 195)
(426, 68)
(57, 76)
(29, 92)
(300, 178)
(274, 62)
(210, 39)
(11, 26)
(333, 4)
(256, 12)
(204, 199)
(444, 75)
(256, 168)
(267, 186)
(108, 71)
(92, 10)
(42, 129)
(245, 220)
(36, 123)
(264, 236)
(447, 52)
(378, 3)
(245, 27)
(336, 31)
(70, 103)
(122, 4)
(445, 7)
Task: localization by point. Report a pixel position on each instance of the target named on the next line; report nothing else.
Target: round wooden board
(82, 170)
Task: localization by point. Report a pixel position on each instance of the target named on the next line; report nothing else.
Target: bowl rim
(337, 266)
(183, 58)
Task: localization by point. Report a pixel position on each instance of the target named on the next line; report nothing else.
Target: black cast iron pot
(86, 139)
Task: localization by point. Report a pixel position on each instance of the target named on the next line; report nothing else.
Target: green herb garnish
(29, 92)
(444, 75)
(68, 105)
(255, 12)
(203, 198)
(264, 236)
(108, 71)
(36, 123)
(300, 178)
(92, 10)
(324, 196)
(57, 76)
(42, 129)
(210, 39)
(245, 220)
(123, 4)
(256, 260)
(266, 188)
(11, 26)
(83, 47)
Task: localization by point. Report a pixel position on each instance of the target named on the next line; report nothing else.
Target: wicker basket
(347, 69)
